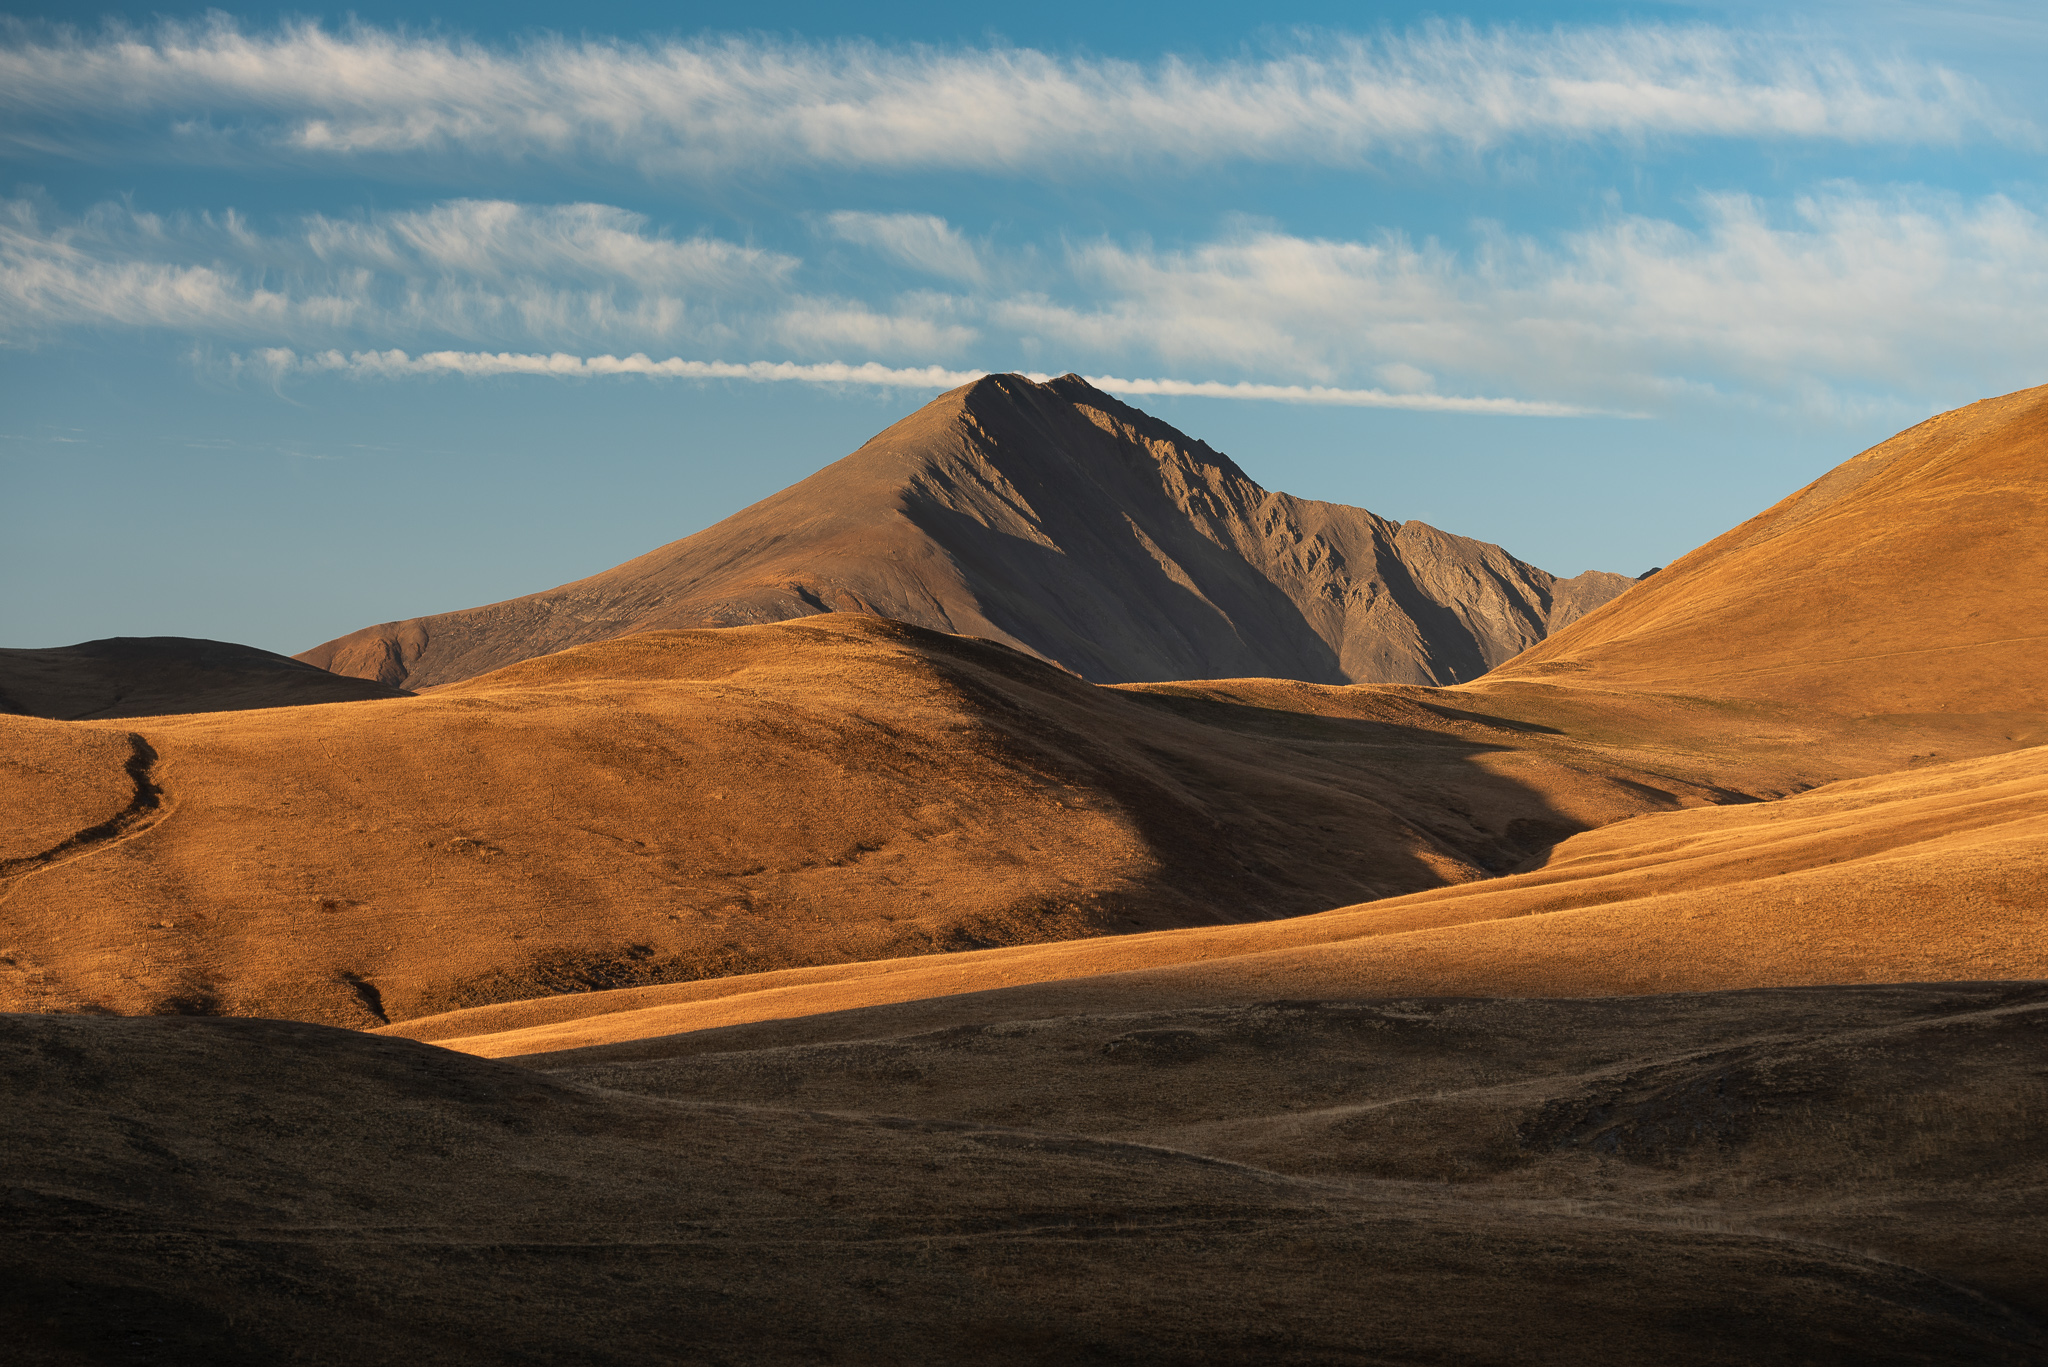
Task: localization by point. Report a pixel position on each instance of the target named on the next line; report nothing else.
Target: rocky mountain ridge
(1062, 522)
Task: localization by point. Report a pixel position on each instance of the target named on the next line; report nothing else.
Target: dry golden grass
(691, 805)
(1883, 623)
(1931, 874)
(671, 815)
(1913, 578)
(56, 781)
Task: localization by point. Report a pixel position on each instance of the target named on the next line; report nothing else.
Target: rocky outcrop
(1060, 521)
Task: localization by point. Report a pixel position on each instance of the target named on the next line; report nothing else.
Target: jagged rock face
(1060, 521)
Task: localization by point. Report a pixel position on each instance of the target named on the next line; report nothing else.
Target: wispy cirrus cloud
(717, 106)
(924, 242)
(464, 268)
(1843, 299)
(920, 322)
(497, 240)
(1842, 302)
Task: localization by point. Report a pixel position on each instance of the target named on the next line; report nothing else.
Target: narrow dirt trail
(145, 809)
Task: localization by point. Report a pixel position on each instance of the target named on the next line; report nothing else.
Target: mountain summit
(1057, 520)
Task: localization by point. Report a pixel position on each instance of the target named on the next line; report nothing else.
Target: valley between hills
(1027, 894)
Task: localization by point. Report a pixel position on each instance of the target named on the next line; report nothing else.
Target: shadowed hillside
(1921, 876)
(153, 676)
(1826, 1176)
(1057, 520)
(685, 805)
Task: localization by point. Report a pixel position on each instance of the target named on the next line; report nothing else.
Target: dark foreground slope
(1825, 1176)
(1061, 522)
(154, 676)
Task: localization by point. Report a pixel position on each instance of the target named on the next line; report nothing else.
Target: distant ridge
(1058, 520)
(155, 676)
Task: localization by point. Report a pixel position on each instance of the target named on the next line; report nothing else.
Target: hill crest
(1912, 578)
(153, 676)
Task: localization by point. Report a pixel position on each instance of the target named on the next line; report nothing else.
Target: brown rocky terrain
(1057, 520)
(153, 676)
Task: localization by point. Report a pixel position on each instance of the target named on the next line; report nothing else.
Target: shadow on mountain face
(1064, 521)
(1122, 615)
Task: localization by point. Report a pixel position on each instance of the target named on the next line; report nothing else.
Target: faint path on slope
(145, 809)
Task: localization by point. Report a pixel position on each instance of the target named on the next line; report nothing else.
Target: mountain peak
(1056, 519)
(1069, 393)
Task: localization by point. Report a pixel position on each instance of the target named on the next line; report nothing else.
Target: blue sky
(310, 319)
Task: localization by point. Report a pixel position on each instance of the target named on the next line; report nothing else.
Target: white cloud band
(1842, 303)
(278, 362)
(717, 105)
(481, 270)
(1347, 398)
(393, 364)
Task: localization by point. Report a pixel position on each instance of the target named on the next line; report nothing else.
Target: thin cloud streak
(279, 362)
(1350, 398)
(716, 106)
